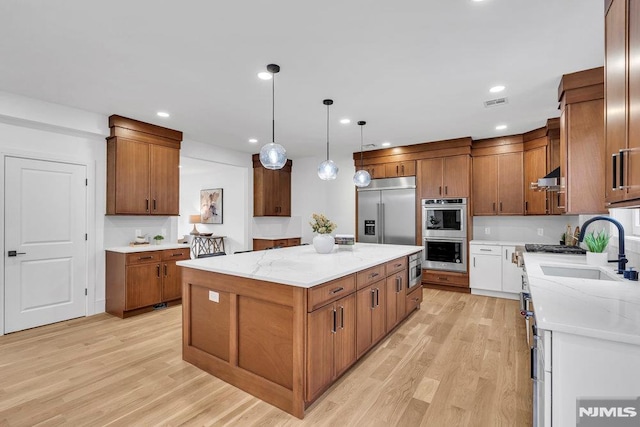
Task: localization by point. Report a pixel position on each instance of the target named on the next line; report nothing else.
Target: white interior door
(45, 224)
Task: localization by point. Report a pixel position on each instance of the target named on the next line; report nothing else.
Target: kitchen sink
(578, 272)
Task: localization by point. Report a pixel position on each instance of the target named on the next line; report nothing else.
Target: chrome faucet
(622, 259)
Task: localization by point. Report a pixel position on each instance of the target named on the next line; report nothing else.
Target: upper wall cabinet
(622, 103)
(498, 185)
(536, 165)
(143, 163)
(582, 152)
(395, 169)
(271, 189)
(444, 177)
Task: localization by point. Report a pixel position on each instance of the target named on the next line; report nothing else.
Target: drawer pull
(158, 270)
(443, 278)
(485, 250)
(372, 275)
(336, 290)
(145, 257)
(416, 299)
(398, 265)
(178, 254)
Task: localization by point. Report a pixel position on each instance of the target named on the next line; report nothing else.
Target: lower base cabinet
(135, 282)
(262, 244)
(395, 299)
(332, 351)
(413, 300)
(492, 273)
(370, 316)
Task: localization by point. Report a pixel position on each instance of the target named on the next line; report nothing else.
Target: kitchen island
(284, 324)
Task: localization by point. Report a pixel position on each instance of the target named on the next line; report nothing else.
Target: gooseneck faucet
(622, 259)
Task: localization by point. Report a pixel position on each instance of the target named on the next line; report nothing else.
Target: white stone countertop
(300, 265)
(495, 243)
(604, 309)
(147, 248)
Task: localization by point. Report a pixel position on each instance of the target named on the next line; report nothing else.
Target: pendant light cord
(327, 132)
(361, 148)
(273, 108)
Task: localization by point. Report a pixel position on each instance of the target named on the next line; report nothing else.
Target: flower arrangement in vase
(596, 244)
(323, 242)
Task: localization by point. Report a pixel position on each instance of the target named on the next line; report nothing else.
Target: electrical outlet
(163, 232)
(540, 231)
(138, 232)
(487, 230)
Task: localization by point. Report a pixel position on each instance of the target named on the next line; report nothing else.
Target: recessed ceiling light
(345, 121)
(265, 75)
(253, 140)
(496, 89)
(162, 114)
(386, 144)
(501, 127)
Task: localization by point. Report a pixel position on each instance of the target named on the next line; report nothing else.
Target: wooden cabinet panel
(430, 176)
(262, 244)
(144, 285)
(271, 189)
(165, 180)
(345, 337)
(396, 265)
(632, 158)
(455, 176)
(498, 184)
(510, 184)
(396, 169)
(395, 295)
(413, 300)
(325, 293)
(143, 257)
(446, 278)
(485, 185)
(202, 314)
(171, 281)
(376, 171)
(535, 166)
(370, 316)
(132, 177)
(370, 275)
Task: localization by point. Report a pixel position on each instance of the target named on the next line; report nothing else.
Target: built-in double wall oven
(444, 232)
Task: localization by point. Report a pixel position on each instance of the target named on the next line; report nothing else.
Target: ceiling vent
(495, 102)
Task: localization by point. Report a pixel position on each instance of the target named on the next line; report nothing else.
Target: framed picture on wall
(211, 206)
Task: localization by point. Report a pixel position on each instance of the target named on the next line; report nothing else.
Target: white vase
(597, 258)
(323, 243)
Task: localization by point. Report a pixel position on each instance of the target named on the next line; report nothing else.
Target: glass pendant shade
(328, 170)
(362, 178)
(273, 156)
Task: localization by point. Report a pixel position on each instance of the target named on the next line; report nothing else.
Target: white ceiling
(415, 70)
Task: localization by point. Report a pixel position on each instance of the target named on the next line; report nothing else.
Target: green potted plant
(158, 238)
(596, 245)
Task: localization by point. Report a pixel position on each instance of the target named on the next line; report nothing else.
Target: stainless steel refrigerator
(387, 211)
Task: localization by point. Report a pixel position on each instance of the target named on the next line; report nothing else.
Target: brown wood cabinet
(143, 162)
(135, 282)
(535, 167)
(444, 177)
(271, 189)
(262, 244)
(396, 169)
(445, 280)
(622, 103)
(498, 187)
(333, 350)
(370, 316)
(376, 171)
(413, 299)
(582, 149)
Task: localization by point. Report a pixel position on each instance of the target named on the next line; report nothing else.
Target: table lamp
(194, 219)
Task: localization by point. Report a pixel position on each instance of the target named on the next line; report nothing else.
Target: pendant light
(361, 178)
(272, 155)
(327, 170)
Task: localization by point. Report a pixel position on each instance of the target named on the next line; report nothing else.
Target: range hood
(550, 182)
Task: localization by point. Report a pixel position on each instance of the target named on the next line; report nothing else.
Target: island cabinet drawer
(396, 265)
(143, 257)
(413, 300)
(370, 275)
(176, 254)
(323, 294)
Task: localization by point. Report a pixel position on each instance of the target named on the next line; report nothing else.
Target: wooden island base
(287, 344)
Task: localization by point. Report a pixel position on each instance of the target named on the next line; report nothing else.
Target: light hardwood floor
(461, 360)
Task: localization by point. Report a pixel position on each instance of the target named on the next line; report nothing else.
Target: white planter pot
(596, 258)
(323, 243)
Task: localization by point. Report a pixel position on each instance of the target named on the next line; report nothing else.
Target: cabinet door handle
(526, 207)
(440, 190)
(334, 330)
(373, 299)
(147, 205)
(341, 317)
(165, 270)
(158, 270)
(621, 170)
(377, 297)
(402, 169)
(446, 190)
(494, 206)
(506, 254)
(398, 284)
(614, 164)
(154, 205)
(336, 290)
(474, 261)
(500, 206)
(396, 169)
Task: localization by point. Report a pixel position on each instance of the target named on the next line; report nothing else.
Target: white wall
(335, 199)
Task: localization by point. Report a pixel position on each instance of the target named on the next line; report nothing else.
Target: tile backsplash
(121, 230)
